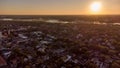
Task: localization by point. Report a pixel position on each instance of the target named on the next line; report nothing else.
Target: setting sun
(95, 7)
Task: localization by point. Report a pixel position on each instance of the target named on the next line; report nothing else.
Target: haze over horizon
(58, 7)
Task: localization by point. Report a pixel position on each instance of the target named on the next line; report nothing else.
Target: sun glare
(95, 7)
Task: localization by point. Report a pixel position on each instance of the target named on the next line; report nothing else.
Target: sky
(56, 7)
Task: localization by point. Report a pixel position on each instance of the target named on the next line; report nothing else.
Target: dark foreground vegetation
(58, 45)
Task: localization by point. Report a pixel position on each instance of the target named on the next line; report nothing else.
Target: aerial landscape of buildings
(59, 33)
(46, 44)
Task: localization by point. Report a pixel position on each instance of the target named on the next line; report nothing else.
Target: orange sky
(56, 7)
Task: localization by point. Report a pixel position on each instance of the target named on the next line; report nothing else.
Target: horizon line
(59, 14)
